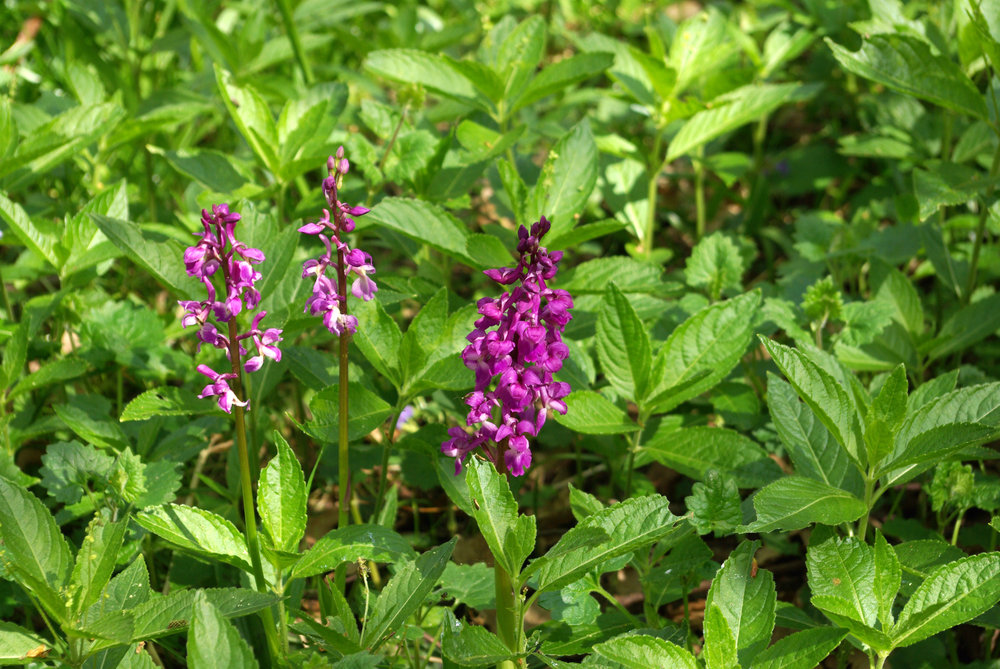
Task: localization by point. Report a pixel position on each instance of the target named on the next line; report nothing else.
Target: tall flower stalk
(514, 349)
(219, 252)
(329, 298)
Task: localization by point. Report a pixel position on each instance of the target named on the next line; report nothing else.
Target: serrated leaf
(52, 372)
(801, 650)
(966, 327)
(794, 502)
(955, 593)
(629, 525)
(732, 110)
(885, 416)
(404, 594)
(841, 613)
(16, 643)
(720, 644)
(164, 259)
(940, 183)
(706, 345)
(888, 577)
(906, 64)
(369, 542)
(281, 498)
(844, 568)
(434, 72)
(694, 451)
(199, 531)
(746, 598)
(423, 222)
(509, 535)
(715, 504)
(623, 346)
(96, 560)
(68, 468)
(566, 181)
(813, 450)
(823, 394)
(589, 412)
(378, 338)
(252, 117)
(471, 645)
(715, 265)
(645, 652)
(558, 76)
(34, 550)
(213, 642)
(41, 243)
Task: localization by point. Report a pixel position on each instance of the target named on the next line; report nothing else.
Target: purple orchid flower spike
(329, 298)
(219, 249)
(518, 358)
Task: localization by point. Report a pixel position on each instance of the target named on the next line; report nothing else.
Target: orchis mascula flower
(523, 353)
(327, 299)
(218, 249)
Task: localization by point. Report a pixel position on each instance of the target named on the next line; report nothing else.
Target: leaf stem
(699, 193)
(870, 498)
(655, 166)
(631, 460)
(390, 432)
(392, 140)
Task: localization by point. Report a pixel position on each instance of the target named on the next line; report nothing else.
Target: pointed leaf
(623, 346)
(404, 594)
(96, 560)
(645, 652)
(694, 450)
(802, 650)
(164, 259)
(746, 598)
(432, 71)
(199, 531)
(368, 542)
(510, 536)
(213, 641)
(888, 577)
(566, 181)
(588, 412)
(794, 502)
(845, 569)
(471, 645)
(563, 74)
(281, 498)
(16, 643)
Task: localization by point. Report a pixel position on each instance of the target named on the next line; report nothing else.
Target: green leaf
(519, 54)
(561, 75)
(841, 613)
(629, 525)
(163, 258)
(844, 569)
(87, 416)
(16, 642)
(645, 652)
(905, 63)
(434, 72)
(732, 110)
(693, 451)
(888, 577)
(378, 338)
(966, 327)
(127, 590)
(802, 650)
(623, 346)
(746, 598)
(368, 542)
(41, 243)
(931, 447)
(885, 416)
(589, 412)
(252, 117)
(213, 641)
(719, 651)
(52, 372)
(566, 181)
(422, 336)
(404, 594)
(712, 341)
(898, 291)
(954, 594)
(199, 531)
(794, 502)
(813, 450)
(940, 183)
(215, 170)
(366, 412)
(423, 222)
(822, 393)
(96, 560)
(168, 401)
(715, 504)
(69, 467)
(281, 498)
(471, 645)
(510, 536)
(34, 550)
(715, 265)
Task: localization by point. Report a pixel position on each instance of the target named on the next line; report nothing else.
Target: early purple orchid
(522, 354)
(218, 249)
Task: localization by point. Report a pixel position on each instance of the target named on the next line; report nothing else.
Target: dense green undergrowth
(777, 224)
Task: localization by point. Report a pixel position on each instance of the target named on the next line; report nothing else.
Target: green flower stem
(631, 458)
(655, 167)
(699, 193)
(246, 490)
(981, 231)
(509, 615)
(293, 37)
(343, 457)
(6, 300)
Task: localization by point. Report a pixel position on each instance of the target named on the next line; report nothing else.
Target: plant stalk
(508, 615)
(980, 232)
(293, 37)
(656, 166)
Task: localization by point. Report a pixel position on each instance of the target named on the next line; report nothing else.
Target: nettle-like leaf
(347, 544)
(96, 560)
(589, 412)
(404, 594)
(794, 502)
(642, 652)
(715, 504)
(281, 498)
(199, 531)
(885, 416)
(509, 535)
(623, 346)
(693, 451)
(715, 265)
(801, 650)
(746, 599)
(471, 645)
(213, 641)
